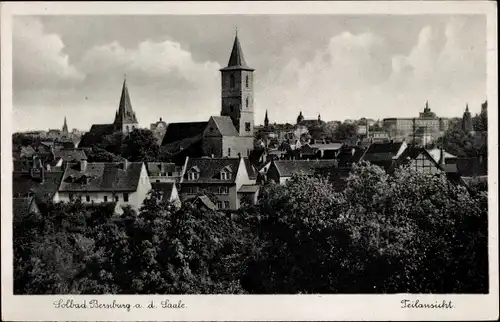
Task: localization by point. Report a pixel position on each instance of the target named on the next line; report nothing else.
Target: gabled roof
(308, 167)
(436, 154)
(179, 131)
(209, 169)
(382, 151)
(236, 60)
(22, 206)
(252, 172)
(102, 177)
(225, 125)
(70, 155)
(165, 188)
(23, 185)
(411, 153)
(204, 200)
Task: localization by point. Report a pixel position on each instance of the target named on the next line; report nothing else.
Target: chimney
(83, 165)
(162, 167)
(125, 164)
(239, 155)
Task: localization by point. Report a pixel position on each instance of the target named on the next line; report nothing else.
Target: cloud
(39, 61)
(372, 66)
(358, 75)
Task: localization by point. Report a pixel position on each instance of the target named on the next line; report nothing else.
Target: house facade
(218, 177)
(126, 183)
(164, 172)
(280, 171)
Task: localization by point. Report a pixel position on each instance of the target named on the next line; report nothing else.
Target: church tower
(125, 120)
(237, 91)
(467, 120)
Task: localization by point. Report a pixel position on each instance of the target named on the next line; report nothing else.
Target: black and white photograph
(249, 154)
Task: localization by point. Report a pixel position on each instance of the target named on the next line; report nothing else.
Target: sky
(339, 66)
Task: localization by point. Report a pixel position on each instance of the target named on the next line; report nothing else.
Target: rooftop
(102, 177)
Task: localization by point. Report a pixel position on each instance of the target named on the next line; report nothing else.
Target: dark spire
(319, 117)
(266, 120)
(236, 60)
(125, 114)
(65, 126)
(467, 108)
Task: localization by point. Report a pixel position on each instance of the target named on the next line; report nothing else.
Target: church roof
(179, 131)
(125, 114)
(225, 125)
(236, 60)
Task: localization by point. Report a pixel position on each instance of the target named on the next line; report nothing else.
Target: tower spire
(65, 126)
(125, 114)
(236, 59)
(266, 120)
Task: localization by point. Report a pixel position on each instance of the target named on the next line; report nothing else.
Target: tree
(464, 144)
(410, 233)
(140, 145)
(97, 154)
(345, 131)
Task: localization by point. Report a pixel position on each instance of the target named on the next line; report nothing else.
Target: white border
(261, 307)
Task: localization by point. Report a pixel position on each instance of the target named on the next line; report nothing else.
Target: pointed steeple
(65, 126)
(266, 120)
(467, 108)
(237, 60)
(125, 114)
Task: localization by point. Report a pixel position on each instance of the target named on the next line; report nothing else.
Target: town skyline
(175, 75)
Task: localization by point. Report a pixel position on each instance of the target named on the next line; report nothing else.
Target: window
(225, 175)
(223, 190)
(246, 102)
(190, 190)
(226, 204)
(125, 197)
(231, 108)
(219, 204)
(232, 81)
(248, 127)
(87, 198)
(169, 174)
(117, 198)
(246, 81)
(105, 198)
(193, 176)
(228, 152)
(157, 180)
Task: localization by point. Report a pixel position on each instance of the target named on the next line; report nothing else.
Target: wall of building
(237, 144)
(231, 196)
(135, 198)
(213, 145)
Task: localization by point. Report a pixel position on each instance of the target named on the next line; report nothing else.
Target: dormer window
(193, 173)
